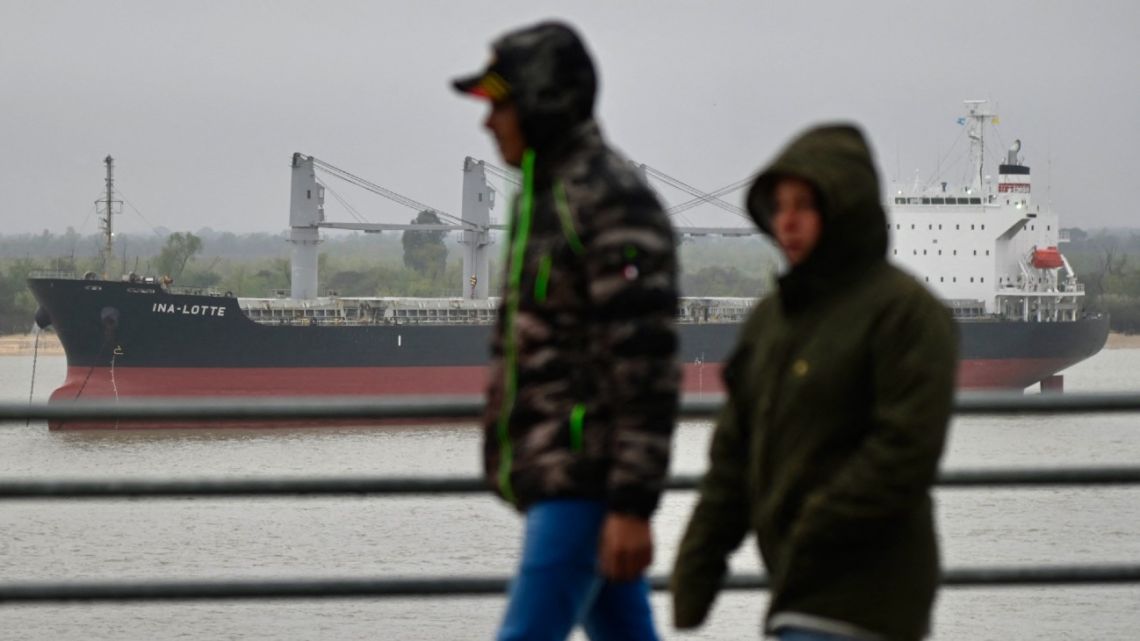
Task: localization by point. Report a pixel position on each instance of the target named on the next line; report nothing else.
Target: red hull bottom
(100, 382)
(699, 379)
(1009, 374)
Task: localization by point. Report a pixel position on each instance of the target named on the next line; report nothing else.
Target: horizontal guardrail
(486, 586)
(326, 408)
(414, 485)
(468, 407)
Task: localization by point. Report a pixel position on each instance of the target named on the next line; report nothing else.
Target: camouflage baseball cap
(489, 83)
(545, 58)
(546, 72)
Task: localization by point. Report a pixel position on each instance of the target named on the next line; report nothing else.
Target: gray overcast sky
(202, 103)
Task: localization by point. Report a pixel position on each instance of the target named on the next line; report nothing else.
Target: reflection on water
(476, 535)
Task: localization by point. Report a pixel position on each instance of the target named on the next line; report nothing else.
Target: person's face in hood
(503, 123)
(796, 223)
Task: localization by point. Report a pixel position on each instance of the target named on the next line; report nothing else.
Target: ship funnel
(1011, 158)
(1013, 176)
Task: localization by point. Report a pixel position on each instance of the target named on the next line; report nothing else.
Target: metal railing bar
(993, 403)
(298, 408)
(409, 486)
(1039, 477)
(467, 407)
(486, 586)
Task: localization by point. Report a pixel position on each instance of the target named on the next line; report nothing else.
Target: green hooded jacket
(839, 396)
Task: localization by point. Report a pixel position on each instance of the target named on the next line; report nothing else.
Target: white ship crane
(307, 217)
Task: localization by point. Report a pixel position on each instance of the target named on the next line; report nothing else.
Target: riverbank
(24, 344)
(1122, 341)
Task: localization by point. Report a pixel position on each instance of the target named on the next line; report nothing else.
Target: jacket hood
(551, 80)
(836, 161)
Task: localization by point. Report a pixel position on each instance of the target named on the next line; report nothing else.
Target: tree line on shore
(428, 264)
(1107, 262)
(419, 264)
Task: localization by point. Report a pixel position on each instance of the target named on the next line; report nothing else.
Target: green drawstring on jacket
(511, 347)
(566, 218)
(542, 279)
(577, 422)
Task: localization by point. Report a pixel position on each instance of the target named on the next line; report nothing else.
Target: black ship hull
(134, 339)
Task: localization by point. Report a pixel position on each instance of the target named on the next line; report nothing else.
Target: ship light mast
(105, 207)
(978, 114)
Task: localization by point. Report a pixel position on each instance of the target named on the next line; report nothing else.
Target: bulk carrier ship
(988, 251)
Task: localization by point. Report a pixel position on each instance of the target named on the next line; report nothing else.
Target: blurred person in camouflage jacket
(583, 379)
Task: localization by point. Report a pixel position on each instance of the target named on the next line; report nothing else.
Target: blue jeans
(558, 585)
(801, 634)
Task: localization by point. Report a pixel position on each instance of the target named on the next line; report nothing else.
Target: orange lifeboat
(1047, 258)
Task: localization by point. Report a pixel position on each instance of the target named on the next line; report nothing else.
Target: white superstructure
(986, 249)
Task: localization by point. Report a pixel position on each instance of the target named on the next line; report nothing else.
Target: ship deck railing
(184, 290)
(150, 410)
(55, 274)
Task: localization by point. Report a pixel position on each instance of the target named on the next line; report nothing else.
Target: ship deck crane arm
(386, 193)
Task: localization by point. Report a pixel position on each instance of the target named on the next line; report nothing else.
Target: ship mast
(978, 113)
(106, 255)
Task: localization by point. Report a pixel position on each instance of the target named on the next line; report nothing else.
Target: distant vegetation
(1108, 263)
(357, 264)
(425, 251)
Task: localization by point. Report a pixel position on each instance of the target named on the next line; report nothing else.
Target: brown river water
(212, 539)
